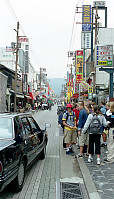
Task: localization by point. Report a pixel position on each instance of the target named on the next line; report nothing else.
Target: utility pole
(40, 77)
(94, 65)
(16, 66)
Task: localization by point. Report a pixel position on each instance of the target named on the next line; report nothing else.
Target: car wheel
(19, 180)
(43, 153)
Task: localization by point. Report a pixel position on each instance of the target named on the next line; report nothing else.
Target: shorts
(70, 136)
(84, 139)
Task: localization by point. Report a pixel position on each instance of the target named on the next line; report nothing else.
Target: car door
(10, 153)
(38, 138)
(28, 143)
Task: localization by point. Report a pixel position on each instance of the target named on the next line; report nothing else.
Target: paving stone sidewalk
(102, 175)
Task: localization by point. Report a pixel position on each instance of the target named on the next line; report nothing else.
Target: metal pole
(16, 66)
(40, 77)
(111, 85)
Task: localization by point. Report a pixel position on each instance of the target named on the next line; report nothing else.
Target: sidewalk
(102, 175)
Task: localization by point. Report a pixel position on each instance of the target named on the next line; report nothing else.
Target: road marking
(52, 156)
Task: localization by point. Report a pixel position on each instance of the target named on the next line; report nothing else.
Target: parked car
(21, 142)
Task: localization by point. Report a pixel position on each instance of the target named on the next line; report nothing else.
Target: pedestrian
(108, 117)
(88, 108)
(94, 124)
(110, 154)
(69, 122)
(103, 111)
(83, 138)
(77, 111)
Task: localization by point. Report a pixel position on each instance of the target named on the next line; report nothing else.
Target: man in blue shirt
(83, 138)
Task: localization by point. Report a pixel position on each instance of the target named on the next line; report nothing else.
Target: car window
(34, 125)
(6, 128)
(18, 131)
(26, 126)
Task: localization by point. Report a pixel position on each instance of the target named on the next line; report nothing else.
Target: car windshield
(5, 127)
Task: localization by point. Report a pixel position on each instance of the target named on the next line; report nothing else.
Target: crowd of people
(86, 125)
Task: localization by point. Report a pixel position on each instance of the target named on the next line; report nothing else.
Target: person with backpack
(69, 122)
(94, 124)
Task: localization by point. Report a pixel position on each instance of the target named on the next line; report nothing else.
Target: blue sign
(86, 18)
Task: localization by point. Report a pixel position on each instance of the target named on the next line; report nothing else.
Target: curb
(88, 181)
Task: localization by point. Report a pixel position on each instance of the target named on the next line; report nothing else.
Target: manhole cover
(70, 190)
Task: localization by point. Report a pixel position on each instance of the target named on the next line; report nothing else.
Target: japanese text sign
(86, 18)
(79, 66)
(104, 55)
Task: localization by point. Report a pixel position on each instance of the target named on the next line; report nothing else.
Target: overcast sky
(48, 25)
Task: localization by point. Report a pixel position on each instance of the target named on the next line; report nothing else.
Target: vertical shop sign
(86, 18)
(79, 66)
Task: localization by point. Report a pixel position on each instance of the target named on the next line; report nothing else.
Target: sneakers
(106, 160)
(104, 145)
(90, 159)
(98, 161)
(86, 154)
(79, 156)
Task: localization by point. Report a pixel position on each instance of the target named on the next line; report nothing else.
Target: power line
(74, 26)
(8, 4)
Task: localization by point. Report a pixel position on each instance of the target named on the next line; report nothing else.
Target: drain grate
(70, 190)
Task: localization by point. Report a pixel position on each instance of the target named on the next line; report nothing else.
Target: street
(44, 178)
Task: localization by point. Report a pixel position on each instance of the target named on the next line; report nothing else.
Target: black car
(21, 142)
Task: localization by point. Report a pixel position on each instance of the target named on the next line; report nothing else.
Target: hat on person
(69, 105)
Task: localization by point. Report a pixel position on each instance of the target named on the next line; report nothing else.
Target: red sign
(75, 95)
(79, 52)
(23, 39)
(79, 78)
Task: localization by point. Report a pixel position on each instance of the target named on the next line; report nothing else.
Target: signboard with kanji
(104, 55)
(75, 95)
(99, 3)
(79, 66)
(71, 54)
(86, 40)
(86, 18)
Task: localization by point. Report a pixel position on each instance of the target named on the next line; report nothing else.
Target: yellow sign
(90, 90)
(102, 63)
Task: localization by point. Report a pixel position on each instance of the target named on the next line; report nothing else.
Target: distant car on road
(45, 106)
(21, 142)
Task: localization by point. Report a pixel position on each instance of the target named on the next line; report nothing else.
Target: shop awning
(19, 96)
(28, 97)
